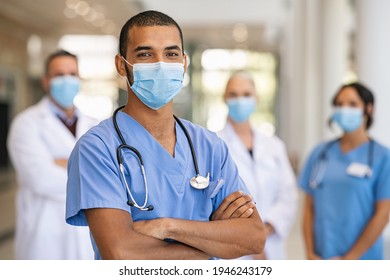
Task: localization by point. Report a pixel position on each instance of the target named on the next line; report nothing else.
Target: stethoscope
(318, 172)
(198, 182)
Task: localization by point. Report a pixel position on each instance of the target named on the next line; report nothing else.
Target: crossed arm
(235, 230)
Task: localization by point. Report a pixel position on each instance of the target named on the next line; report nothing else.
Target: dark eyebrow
(147, 48)
(142, 48)
(175, 47)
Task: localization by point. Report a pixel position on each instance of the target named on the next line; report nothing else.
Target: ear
(224, 96)
(46, 84)
(185, 62)
(257, 99)
(369, 109)
(120, 65)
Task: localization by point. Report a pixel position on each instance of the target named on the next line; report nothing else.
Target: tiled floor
(7, 221)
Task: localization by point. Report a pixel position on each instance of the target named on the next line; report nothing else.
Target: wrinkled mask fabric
(63, 89)
(156, 84)
(348, 118)
(241, 108)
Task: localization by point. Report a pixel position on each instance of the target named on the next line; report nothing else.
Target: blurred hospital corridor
(298, 55)
(7, 207)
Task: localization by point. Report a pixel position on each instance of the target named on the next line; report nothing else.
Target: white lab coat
(270, 179)
(35, 139)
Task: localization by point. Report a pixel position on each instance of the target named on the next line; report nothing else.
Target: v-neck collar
(352, 151)
(137, 136)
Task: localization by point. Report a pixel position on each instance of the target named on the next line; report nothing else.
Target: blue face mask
(63, 90)
(155, 84)
(348, 118)
(241, 108)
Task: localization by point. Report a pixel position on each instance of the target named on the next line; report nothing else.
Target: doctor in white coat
(263, 165)
(40, 141)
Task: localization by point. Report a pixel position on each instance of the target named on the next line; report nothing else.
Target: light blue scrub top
(343, 203)
(94, 179)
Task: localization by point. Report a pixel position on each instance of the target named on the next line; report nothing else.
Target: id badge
(359, 170)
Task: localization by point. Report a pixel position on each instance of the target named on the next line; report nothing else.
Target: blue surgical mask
(348, 118)
(241, 108)
(155, 84)
(63, 90)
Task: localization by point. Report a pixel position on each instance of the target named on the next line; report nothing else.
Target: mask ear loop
(127, 72)
(367, 115)
(132, 65)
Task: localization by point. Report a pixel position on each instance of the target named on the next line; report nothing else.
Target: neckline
(353, 150)
(149, 145)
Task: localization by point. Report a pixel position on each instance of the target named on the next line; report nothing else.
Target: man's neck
(159, 123)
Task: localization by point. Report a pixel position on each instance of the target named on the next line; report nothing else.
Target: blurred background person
(347, 184)
(263, 164)
(39, 143)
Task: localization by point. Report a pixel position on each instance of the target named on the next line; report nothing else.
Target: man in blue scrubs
(183, 222)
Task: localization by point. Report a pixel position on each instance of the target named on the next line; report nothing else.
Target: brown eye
(172, 54)
(353, 104)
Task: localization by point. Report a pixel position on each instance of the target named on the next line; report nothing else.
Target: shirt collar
(59, 113)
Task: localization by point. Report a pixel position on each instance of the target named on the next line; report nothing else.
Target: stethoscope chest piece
(200, 182)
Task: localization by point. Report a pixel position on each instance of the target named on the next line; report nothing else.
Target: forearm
(45, 180)
(370, 233)
(37, 170)
(143, 247)
(112, 230)
(308, 235)
(223, 238)
(235, 229)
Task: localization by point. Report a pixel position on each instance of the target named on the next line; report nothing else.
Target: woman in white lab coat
(263, 165)
(39, 144)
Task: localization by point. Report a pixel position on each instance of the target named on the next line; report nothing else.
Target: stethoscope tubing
(124, 145)
(320, 166)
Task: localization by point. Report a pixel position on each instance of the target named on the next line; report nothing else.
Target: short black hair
(365, 95)
(56, 54)
(147, 18)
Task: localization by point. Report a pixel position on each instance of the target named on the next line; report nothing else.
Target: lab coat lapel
(247, 167)
(234, 142)
(54, 126)
(84, 123)
(259, 148)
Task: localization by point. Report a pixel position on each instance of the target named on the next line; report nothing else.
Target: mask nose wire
(133, 64)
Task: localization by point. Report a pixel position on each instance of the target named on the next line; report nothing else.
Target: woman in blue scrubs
(347, 185)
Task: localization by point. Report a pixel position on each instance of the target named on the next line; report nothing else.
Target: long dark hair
(365, 95)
